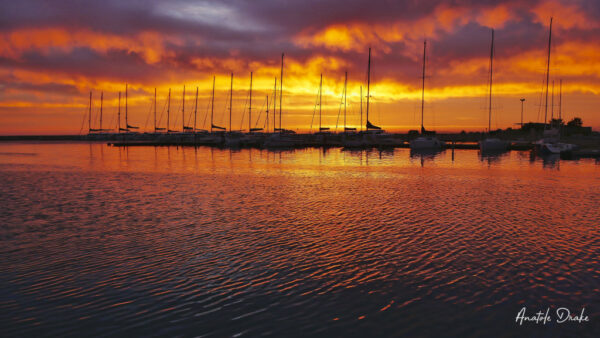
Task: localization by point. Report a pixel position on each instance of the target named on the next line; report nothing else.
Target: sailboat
(354, 140)
(235, 138)
(232, 138)
(188, 133)
(169, 130)
(161, 134)
(426, 141)
(323, 134)
(370, 128)
(281, 138)
(92, 132)
(96, 133)
(346, 128)
(492, 144)
(372, 135)
(90, 129)
(215, 137)
(127, 126)
(350, 138)
(550, 143)
(254, 137)
(156, 128)
(184, 127)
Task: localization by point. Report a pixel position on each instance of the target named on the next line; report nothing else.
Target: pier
(587, 148)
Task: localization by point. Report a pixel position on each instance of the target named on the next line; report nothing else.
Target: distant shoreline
(5, 138)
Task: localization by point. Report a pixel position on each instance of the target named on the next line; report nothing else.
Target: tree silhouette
(575, 122)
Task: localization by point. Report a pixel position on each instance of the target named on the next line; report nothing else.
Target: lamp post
(522, 100)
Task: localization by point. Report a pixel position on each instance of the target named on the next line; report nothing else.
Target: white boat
(553, 146)
(550, 144)
(425, 141)
(557, 147)
(492, 144)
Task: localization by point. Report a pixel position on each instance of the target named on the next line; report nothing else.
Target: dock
(290, 140)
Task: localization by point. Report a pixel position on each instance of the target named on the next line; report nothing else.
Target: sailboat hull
(493, 144)
(426, 143)
(550, 147)
(281, 140)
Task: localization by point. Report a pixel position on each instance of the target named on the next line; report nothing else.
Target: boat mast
(368, 86)
(90, 114)
(119, 114)
(280, 91)
(155, 109)
(491, 77)
(552, 103)
(183, 110)
(126, 120)
(169, 111)
(230, 101)
(560, 99)
(548, 74)
(195, 109)
(361, 122)
(267, 122)
(101, 100)
(274, 103)
(320, 98)
(250, 107)
(212, 105)
(423, 86)
(345, 88)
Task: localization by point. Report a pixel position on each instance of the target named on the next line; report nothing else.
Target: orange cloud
(566, 16)
(357, 36)
(495, 17)
(148, 44)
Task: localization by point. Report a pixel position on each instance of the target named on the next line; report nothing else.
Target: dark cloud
(45, 87)
(260, 30)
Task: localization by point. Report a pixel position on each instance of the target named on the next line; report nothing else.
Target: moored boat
(492, 144)
(427, 140)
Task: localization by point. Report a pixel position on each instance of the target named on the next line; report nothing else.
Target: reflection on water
(203, 241)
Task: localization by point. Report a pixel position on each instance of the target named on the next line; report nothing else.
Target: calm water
(207, 242)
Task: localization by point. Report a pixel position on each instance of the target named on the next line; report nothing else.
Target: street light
(522, 100)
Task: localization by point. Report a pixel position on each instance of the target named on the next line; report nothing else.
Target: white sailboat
(281, 138)
(492, 144)
(550, 143)
(425, 141)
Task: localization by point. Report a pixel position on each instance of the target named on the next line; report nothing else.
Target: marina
(300, 169)
(544, 140)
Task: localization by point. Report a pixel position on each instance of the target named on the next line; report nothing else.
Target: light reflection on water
(196, 241)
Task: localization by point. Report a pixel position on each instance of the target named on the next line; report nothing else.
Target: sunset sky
(52, 53)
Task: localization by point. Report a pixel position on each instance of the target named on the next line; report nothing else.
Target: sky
(53, 53)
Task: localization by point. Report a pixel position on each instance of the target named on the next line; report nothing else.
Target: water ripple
(211, 243)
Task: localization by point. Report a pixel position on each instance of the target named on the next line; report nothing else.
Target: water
(207, 242)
